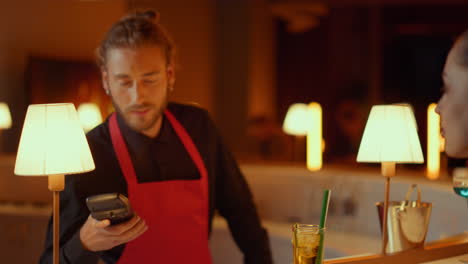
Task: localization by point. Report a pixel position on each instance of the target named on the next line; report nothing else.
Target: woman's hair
(462, 48)
(139, 28)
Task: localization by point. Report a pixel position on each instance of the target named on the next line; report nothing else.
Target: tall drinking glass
(306, 241)
(460, 182)
(460, 186)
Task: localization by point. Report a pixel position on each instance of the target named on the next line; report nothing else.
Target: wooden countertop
(437, 250)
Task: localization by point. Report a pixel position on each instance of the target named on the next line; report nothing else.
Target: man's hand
(99, 235)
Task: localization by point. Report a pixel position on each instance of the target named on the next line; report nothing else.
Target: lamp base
(56, 185)
(56, 182)
(56, 225)
(388, 170)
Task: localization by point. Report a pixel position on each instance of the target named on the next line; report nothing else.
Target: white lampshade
(297, 120)
(5, 116)
(90, 116)
(52, 142)
(391, 136)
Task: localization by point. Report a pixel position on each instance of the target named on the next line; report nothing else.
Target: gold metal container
(408, 222)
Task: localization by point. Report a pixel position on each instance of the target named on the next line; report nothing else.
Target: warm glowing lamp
(53, 144)
(434, 143)
(390, 137)
(5, 116)
(306, 120)
(315, 143)
(90, 115)
(297, 120)
(297, 123)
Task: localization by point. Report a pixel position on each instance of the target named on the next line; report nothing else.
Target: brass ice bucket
(408, 222)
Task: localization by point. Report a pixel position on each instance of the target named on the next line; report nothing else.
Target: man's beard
(153, 119)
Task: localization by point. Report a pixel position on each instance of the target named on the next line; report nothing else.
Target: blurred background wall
(244, 61)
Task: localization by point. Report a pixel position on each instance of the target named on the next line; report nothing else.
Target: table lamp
(90, 115)
(306, 120)
(53, 144)
(5, 116)
(297, 120)
(390, 137)
(297, 124)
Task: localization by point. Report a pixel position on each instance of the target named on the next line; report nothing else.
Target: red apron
(175, 211)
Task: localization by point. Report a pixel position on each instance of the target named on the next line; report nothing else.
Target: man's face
(453, 107)
(137, 80)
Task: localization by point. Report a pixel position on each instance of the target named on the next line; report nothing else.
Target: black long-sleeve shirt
(160, 159)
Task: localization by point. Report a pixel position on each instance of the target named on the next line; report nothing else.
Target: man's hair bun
(149, 14)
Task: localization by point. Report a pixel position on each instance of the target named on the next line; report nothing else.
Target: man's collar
(138, 140)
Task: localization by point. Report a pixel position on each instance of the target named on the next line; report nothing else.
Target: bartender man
(167, 158)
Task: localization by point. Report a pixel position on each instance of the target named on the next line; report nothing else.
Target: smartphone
(112, 206)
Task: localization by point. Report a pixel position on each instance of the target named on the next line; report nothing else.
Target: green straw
(323, 220)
